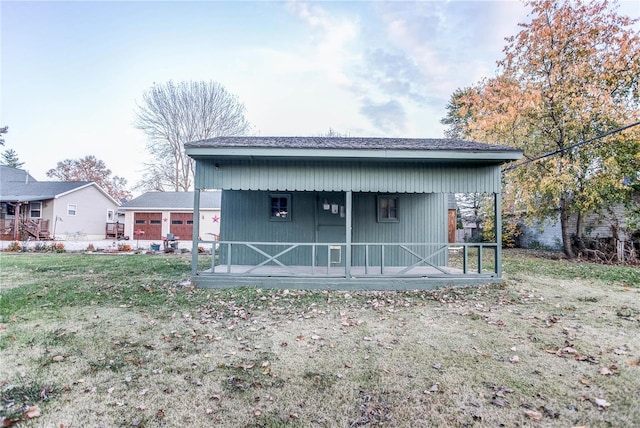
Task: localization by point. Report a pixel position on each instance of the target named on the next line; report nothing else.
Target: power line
(581, 143)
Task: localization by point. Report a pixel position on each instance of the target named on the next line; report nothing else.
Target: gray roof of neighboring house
(14, 175)
(350, 143)
(174, 200)
(39, 190)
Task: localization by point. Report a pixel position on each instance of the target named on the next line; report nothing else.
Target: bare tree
(335, 134)
(173, 114)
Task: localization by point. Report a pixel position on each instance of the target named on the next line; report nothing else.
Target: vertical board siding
(422, 219)
(304, 176)
(246, 218)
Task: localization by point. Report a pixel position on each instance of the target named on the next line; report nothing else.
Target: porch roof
(351, 148)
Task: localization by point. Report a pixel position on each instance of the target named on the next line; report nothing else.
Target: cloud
(389, 116)
(331, 37)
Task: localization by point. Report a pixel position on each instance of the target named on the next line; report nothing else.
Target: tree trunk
(564, 227)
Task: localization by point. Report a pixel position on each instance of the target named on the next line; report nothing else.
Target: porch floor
(419, 277)
(333, 271)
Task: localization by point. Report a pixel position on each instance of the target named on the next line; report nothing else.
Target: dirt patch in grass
(535, 351)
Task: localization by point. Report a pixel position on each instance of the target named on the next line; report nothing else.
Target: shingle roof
(14, 175)
(349, 143)
(174, 200)
(39, 190)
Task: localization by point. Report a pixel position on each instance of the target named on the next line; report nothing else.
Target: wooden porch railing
(367, 259)
(37, 229)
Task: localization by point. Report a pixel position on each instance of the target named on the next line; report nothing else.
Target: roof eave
(374, 154)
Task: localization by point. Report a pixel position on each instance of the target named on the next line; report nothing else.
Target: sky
(73, 73)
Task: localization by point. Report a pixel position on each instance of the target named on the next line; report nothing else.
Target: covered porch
(465, 264)
(335, 213)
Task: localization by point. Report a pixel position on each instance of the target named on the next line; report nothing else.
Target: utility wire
(581, 143)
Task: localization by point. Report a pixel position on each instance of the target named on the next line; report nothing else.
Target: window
(35, 209)
(71, 209)
(155, 222)
(387, 209)
(280, 205)
(176, 221)
(141, 222)
(110, 215)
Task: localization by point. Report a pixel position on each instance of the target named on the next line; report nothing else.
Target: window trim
(379, 214)
(286, 196)
(69, 210)
(111, 216)
(39, 210)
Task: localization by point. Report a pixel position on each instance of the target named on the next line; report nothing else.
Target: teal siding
(358, 176)
(422, 218)
(245, 217)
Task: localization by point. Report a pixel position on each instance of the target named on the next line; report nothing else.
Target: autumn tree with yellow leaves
(571, 74)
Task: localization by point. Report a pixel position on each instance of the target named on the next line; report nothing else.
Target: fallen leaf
(619, 351)
(257, 412)
(532, 414)
(515, 359)
(499, 402)
(434, 388)
(58, 358)
(602, 403)
(605, 371)
(32, 412)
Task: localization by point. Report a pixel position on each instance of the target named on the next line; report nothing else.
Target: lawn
(123, 340)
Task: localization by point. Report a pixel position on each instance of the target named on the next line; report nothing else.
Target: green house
(343, 213)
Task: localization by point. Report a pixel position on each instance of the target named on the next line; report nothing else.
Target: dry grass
(535, 351)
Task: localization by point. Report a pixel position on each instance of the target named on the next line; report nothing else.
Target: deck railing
(366, 259)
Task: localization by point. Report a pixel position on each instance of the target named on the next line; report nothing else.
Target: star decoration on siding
(215, 218)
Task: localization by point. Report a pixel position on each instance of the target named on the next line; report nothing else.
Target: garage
(149, 223)
(182, 225)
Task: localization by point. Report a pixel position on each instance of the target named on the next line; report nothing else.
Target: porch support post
(347, 257)
(498, 228)
(196, 232)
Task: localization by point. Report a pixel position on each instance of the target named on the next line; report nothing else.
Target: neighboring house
(34, 210)
(326, 212)
(158, 213)
(547, 233)
(468, 233)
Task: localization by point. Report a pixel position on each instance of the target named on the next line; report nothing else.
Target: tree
(332, 133)
(455, 119)
(174, 114)
(3, 130)
(10, 158)
(571, 74)
(91, 169)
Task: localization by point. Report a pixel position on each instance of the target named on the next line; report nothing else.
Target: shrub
(14, 247)
(124, 247)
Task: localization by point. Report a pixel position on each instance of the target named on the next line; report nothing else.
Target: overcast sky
(73, 72)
